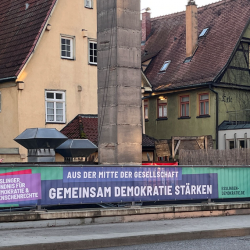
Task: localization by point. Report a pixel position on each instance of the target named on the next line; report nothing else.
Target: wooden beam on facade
(173, 154)
(206, 143)
(177, 146)
(188, 138)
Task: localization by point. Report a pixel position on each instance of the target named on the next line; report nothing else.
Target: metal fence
(239, 117)
(37, 185)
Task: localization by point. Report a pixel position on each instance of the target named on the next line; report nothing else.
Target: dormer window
(165, 66)
(188, 59)
(204, 32)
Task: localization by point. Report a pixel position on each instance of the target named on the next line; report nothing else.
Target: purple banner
(16, 188)
(128, 174)
(97, 184)
(198, 186)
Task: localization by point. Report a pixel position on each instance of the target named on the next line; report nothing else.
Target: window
(204, 104)
(67, 50)
(55, 106)
(0, 102)
(188, 59)
(165, 66)
(242, 144)
(88, 4)
(204, 32)
(146, 109)
(231, 144)
(162, 107)
(92, 52)
(184, 106)
(164, 158)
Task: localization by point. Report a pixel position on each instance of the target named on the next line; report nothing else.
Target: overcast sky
(163, 7)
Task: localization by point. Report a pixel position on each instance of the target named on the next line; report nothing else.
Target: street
(117, 235)
(232, 243)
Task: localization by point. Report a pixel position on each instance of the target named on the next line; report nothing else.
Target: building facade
(48, 67)
(193, 92)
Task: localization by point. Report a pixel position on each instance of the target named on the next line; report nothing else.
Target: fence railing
(66, 185)
(239, 117)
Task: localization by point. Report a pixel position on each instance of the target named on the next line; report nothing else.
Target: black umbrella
(41, 138)
(76, 148)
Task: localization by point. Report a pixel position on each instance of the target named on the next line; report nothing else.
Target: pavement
(231, 243)
(124, 234)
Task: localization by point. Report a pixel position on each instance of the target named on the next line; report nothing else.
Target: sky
(164, 7)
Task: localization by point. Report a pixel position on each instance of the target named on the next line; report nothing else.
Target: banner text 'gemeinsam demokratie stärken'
(82, 185)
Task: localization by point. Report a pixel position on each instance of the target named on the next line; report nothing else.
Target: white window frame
(72, 46)
(93, 42)
(88, 4)
(204, 32)
(55, 101)
(0, 102)
(165, 66)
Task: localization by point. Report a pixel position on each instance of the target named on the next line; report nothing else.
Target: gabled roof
(226, 21)
(21, 25)
(82, 127)
(86, 127)
(145, 81)
(148, 141)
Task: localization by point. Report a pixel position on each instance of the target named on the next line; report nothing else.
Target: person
(1, 160)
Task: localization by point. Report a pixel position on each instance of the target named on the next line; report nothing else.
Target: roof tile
(226, 21)
(20, 29)
(82, 127)
(86, 127)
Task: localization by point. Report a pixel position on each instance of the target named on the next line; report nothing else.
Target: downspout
(142, 111)
(217, 115)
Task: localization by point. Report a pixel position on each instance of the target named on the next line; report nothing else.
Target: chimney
(191, 28)
(146, 25)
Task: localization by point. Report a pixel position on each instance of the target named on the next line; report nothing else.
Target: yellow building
(48, 73)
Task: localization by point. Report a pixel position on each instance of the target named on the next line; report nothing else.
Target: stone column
(119, 82)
